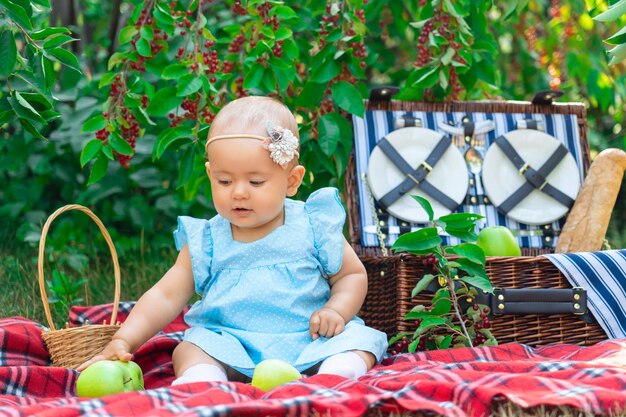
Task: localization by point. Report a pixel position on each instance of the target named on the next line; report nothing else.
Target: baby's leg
(192, 364)
(351, 364)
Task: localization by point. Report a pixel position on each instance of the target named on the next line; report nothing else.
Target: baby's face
(248, 188)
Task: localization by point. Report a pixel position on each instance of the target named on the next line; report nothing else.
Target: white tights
(346, 364)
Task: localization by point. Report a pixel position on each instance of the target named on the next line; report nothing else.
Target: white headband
(281, 142)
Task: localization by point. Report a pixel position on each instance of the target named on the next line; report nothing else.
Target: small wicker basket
(72, 346)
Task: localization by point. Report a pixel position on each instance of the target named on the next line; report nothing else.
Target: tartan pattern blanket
(454, 382)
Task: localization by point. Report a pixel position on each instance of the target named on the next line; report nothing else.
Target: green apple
(271, 373)
(109, 377)
(498, 241)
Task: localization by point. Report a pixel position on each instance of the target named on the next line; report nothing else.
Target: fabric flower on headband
(282, 144)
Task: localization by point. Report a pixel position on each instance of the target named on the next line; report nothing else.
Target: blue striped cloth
(603, 275)
(376, 124)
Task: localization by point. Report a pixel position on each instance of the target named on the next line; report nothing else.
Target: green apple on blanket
(109, 377)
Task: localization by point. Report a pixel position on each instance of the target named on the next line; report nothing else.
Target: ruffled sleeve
(197, 234)
(327, 216)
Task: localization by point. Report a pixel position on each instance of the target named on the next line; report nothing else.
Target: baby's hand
(326, 322)
(116, 349)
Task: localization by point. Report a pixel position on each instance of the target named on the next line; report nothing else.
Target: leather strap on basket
(416, 176)
(535, 179)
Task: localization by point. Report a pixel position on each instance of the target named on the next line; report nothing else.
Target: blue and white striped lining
(603, 275)
(378, 123)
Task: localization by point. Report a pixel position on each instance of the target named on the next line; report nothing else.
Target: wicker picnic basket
(71, 346)
(393, 277)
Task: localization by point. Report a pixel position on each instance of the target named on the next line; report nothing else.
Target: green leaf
(348, 98)
(614, 12)
(481, 283)
(163, 101)
(31, 129)
(283, 12)
(91, 149)
(426, 206)
(328, 70)
(422, 284)
(186, 166)
(47, 32)
(106, 79)
(311, 95)
(25, 4)
(64, 57)
(174, 71)
(98, 170)
(441, 302)
(42, 3)
(428, 77)
(447, 57)
(445, 341)
(126, 35)
(461, 220)
(57, 40)
(119, 145)
(147, 33)
(470, 251)
(23, 108)
(419, 242)
(330, 131)
(6, 116)
(143, 47)
(254, 77)
(169, 136)
(16, 13)
(283, 33)
(413, 346)
(471, 268)
(94, 123)
(618, 38)
(188, 84)
(618, 54)
(8, 52)
(429, 322)
(47, 68)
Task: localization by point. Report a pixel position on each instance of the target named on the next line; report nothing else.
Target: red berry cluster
(386, 19)
(430, 261)
(484, 323)
(129, 134)
(239, 90)
(102, 134)
(191, 108)
(441, 24)
(278, 49)
(239, 9)
(236, 44)
(401, 345)
(329, 23)
(118, 88)
(264, 12)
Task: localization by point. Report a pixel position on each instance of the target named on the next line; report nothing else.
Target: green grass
(21, 296)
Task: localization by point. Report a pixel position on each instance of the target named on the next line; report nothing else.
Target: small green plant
(64, 290)
(458, 274)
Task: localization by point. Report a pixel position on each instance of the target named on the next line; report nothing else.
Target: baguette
(586, 225)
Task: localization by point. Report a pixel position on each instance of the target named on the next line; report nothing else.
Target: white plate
(449, 175)
(501, 178)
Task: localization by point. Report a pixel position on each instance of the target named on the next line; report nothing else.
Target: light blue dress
(258, 297)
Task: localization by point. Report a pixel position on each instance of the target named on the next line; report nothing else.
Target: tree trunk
(114, 26)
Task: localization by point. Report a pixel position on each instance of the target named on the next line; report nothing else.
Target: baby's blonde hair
(252, 115)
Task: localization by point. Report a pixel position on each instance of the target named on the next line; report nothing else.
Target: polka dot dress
(258, 297)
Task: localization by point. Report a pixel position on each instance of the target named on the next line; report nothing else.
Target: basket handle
(107, 238)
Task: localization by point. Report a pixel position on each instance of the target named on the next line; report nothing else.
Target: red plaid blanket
(455, 382)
